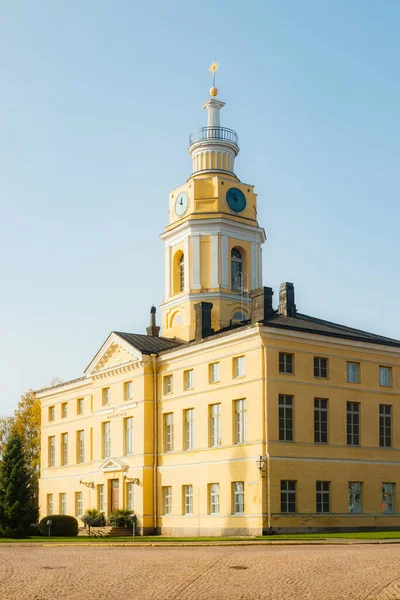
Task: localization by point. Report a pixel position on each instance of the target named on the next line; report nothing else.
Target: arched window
(239, 316)
(236, 270)
(181, 274)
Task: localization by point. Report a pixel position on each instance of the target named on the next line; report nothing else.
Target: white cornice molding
(334, 342)
(177, 301)
(67, 387)
(107, 348)
(213, 226)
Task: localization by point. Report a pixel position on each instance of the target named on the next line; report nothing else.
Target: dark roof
(147, 344)
(320, 327)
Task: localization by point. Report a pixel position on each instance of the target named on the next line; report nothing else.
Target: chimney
(203, 320)
(287, 306)
(261, 307)
(153, 330)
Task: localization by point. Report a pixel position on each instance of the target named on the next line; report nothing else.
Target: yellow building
(239, 417)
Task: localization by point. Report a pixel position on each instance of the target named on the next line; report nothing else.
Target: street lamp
(48, 523)
(260, 462)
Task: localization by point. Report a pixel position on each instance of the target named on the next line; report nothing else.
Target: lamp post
(48, 522)
(260, 462)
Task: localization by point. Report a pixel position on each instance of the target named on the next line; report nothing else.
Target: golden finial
(213, 69)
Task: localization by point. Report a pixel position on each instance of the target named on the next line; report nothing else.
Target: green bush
(121, 517)
(93, 518)
(61, 525)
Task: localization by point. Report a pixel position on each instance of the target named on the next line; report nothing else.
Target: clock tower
(213, 240)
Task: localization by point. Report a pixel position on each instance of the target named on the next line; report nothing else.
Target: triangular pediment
(112, 464)
(114, 353)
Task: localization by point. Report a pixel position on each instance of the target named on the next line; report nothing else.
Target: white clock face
(181, 204)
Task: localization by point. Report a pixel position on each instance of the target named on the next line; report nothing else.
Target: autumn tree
(6, 426)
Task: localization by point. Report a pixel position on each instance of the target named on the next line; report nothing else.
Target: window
(100, 497)
(213, 372)
(320, 421)
(187, 499)
(238, 497)
(130, 495)
(128, 390)
(51, 413)
(105, 393)
(215, 425)
(128, 436)
(169, 432)
(353, 423)
(181, 273)
(49, 504)
(385, 376)
(63, 504)
(64, 410)
(188, 379)
(106, 439)
(167, 493)
(52, 451)
(388, 498)
(80, 446)
(286, 362)
(355, 497)
(78, 504)
(239, 366)
(168, 384)
(288, 496)
(189, 429)
(320, 367)
(79, 406)
(323, 496)
(385, 425)
(214, 498)
(353, 372)
(240, 421)
(64, 448)
(236, 270)
(285, 418)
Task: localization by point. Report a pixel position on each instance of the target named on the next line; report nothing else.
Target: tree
(6, 426)
(26, 424)
(93, 517)
(17, 510)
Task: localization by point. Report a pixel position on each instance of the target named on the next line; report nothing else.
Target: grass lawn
(371, 535)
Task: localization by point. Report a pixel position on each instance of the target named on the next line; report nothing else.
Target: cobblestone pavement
(364, 572)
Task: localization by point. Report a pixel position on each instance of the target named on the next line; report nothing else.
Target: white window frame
(214, 498)
(63, 503)
(80, 406)
(64, 449)
(106, 425)
(64, 410)
(188, 500)
(129, 436)
(385, 376)
(50, 507)
(128, 390)
(78, 504)
(353, 372)
(215, 425)
(100, 496)
(239, 366)
(168, 385)
(238, 497)
(167, 496)
(286, 363)
(51, 413)
(388, 498)
(105, 396)
(189, 429)
(130, 495)
(188, 379)
(214, 372)
(355, 497)
(240, 421)
(52, 451)
(81, 446)
(169, 432)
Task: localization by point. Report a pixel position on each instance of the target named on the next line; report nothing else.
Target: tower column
(186, 265)
(214, 261)
(167, 271)
(196, 285)
(224, 261)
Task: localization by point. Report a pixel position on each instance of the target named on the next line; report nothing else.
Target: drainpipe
(266, 440)
(155, 443)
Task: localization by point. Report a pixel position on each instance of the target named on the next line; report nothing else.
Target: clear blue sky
(97, 102)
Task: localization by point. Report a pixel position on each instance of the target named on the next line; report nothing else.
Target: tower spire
(213, 69)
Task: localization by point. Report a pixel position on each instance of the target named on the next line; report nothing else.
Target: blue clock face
(236, 199)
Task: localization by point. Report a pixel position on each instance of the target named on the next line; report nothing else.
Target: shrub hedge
(61, 525)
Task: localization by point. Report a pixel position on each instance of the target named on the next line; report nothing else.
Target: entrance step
(120, 532)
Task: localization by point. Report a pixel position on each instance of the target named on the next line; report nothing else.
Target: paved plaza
(362, 572)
